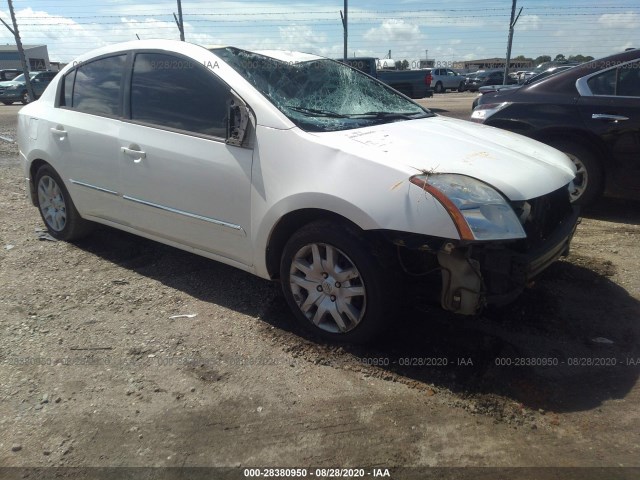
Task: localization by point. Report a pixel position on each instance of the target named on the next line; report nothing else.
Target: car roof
(565, 82)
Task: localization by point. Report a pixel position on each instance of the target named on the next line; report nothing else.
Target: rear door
(181, 181)
(84, 136)
(610, 107)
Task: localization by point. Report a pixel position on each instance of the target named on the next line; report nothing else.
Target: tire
(56, 207)
(327, 301)
(7, 103)
(439, 88)
(25, 98)
(461, 87)
(589, 180)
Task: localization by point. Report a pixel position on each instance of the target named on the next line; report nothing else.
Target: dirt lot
(96, 370)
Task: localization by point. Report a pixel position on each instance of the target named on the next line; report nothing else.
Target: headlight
(483, 112)
(12, 87)
(478, 211)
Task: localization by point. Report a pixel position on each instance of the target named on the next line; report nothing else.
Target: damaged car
(300, 169)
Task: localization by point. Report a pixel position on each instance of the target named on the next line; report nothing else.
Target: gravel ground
(118, 351)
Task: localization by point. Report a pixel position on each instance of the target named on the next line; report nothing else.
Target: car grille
(541, 216)
(2, 89)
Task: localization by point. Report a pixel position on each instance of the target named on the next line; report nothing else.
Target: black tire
(461, 86)
(439, 88)
(332, 294)
(24, 97)
(7, 102)
(589, 180)
(56, 208)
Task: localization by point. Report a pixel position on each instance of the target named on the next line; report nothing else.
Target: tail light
(427, 79)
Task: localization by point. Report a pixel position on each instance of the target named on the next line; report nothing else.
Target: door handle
(59, 132)
(138, 154)
(609, 118)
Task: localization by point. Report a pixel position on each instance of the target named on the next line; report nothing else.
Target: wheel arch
(33, 170)
(293, 221)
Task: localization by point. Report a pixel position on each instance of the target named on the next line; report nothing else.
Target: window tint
(68, 88)
(174, 92)
(629, 80)
(97, 86)
(604, 83)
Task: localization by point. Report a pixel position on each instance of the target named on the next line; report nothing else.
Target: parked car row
(15, 89)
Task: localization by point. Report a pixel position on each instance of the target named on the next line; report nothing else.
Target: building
(491, 63)
(37, 57)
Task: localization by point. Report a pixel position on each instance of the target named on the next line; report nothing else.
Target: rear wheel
(439, 88)
(56, 207)
(587, 186)
(335, 284)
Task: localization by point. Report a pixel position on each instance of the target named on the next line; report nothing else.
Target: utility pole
(345, 26)
(512, 24)
(23, 60)
(179, 21)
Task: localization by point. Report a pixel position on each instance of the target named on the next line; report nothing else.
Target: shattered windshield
(322, 95)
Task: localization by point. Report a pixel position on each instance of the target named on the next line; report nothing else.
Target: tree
(560, 58)
(580, 58)
(405, 65)
(542, 59)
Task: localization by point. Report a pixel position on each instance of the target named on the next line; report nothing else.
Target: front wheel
(461, 86)
(589, 180)
(56, 207)
(335, 284)
(25, 98)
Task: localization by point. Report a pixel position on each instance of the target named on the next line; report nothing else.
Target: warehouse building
(37, 57)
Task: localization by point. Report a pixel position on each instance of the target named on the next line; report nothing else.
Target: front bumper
(10, 96)
(497, 273)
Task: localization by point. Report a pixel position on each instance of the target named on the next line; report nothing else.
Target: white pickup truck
(445, 78)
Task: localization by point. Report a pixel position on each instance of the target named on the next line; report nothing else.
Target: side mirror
(237, 123)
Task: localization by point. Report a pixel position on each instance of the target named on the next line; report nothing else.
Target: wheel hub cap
(327, 287)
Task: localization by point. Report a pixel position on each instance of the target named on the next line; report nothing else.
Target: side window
(629, 80)
(97, 86)
(603, 83)
(173, 92)
(68, 89)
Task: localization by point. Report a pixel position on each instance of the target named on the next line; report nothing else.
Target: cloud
(620, 20)
(394, 30)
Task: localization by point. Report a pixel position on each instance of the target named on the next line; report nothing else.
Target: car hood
(519, 167)
(9, 83)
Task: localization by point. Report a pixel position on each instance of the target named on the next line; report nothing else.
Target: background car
(488, 77)
(9, 74)
(494, 88)
(591, 112)
(446, 79)
(16, 90)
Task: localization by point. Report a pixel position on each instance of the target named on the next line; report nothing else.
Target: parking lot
(118, 351)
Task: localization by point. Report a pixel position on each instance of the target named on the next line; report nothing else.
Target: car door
(609, 105)
(84, 136)
(181, 181)
(41, 82)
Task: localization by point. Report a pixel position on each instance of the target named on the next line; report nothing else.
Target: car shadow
(565, 345)
(614, 210)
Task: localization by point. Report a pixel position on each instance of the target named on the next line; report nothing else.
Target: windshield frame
(306, 110)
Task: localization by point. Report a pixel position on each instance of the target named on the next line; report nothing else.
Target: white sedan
(295, 168)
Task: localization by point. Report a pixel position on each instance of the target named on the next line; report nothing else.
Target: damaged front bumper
(479, 274)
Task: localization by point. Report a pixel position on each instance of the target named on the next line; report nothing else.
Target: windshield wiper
(317, 113)
(391, 115)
